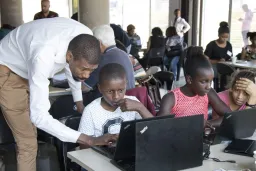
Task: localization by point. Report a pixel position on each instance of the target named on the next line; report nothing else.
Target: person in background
(180, 24)
(122, 36)
(5, 29)
(105, 114)
(249, 51)
(110, 54)
(45, 13)
(246, 23)
(157, 39)
(220, 49)
(195, 96)
(135, 41)
(241, 94)
(174, 45)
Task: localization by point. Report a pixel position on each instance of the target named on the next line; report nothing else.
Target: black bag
(175, 51)
(152, 85)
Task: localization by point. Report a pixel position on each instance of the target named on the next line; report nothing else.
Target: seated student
(105, 115)
(193, 98)
(249, 51)
(242, 92)
(110, 54)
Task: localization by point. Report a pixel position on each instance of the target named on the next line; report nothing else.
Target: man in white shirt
(31, 54)
(180, 24)
(246, 23)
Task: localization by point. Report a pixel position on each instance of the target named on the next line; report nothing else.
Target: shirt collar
(109, 48)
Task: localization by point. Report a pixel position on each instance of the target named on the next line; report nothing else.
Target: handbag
(152, 85)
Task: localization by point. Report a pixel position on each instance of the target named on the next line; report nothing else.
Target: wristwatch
(249, 105)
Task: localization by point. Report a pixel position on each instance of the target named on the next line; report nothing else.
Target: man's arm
(186, 26)
(39, 71)
(76, 90)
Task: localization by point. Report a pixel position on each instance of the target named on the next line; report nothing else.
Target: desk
(242, 64)
(54, 91)
(93, 161)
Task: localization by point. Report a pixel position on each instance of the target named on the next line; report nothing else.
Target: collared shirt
(113, 55)
(247, 21)
(37, 51)
(181, 26)
(40, 15)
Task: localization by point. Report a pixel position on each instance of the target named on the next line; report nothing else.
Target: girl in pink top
(194, 97)
(242, 90)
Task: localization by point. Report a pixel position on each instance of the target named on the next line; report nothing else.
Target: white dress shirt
(36, 51)
(181, 26)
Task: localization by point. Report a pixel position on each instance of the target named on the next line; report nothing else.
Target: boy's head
(198, 71)
(112, 83)
(240, 97)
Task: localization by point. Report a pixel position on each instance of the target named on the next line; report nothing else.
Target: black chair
(155, 57)
(63, 147)
(165, 77)
(224, 71)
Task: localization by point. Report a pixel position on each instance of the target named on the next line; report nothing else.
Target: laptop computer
(125, 146)
(238, 124)
(171, 144)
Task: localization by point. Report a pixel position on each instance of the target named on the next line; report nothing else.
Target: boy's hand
(129, 105)
(247, 85)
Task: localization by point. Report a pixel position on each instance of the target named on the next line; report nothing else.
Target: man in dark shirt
(110, 54)
(45, 13)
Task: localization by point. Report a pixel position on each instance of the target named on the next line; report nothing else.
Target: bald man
(45, 13)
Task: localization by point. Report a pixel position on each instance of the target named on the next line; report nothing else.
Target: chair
(141, 94)
(63, 147)
(155, 57)
(224, 71)
(165, 77)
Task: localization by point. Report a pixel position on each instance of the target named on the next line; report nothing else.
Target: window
(243, 19)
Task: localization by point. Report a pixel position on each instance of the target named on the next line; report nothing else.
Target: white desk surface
(242, 64)
(53, 91)
(93, 161)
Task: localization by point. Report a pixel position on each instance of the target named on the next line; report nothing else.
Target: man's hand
(80, 106)
(106, 139)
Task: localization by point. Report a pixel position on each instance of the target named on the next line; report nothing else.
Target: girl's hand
(247, 85)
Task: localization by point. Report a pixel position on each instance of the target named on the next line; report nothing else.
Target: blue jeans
(172, 64)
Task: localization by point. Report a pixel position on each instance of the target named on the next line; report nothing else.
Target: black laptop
(169, 145)
(161, 143)
(237, 125)
(125, 146)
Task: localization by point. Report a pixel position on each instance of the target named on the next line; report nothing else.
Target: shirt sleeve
(38, 73)
(137, 115)
(74, 85)
(93, 79)
(186, 26)
(86, 125)
(208, 50)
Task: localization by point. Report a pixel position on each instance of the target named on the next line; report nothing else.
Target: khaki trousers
(14, 102)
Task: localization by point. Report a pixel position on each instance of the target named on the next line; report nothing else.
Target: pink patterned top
(188, 106)
(224, 96)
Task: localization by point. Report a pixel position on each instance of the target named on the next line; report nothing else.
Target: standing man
(30, 55)
(45, 13)
(246, 23)
(180, 24)
(135, 41)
